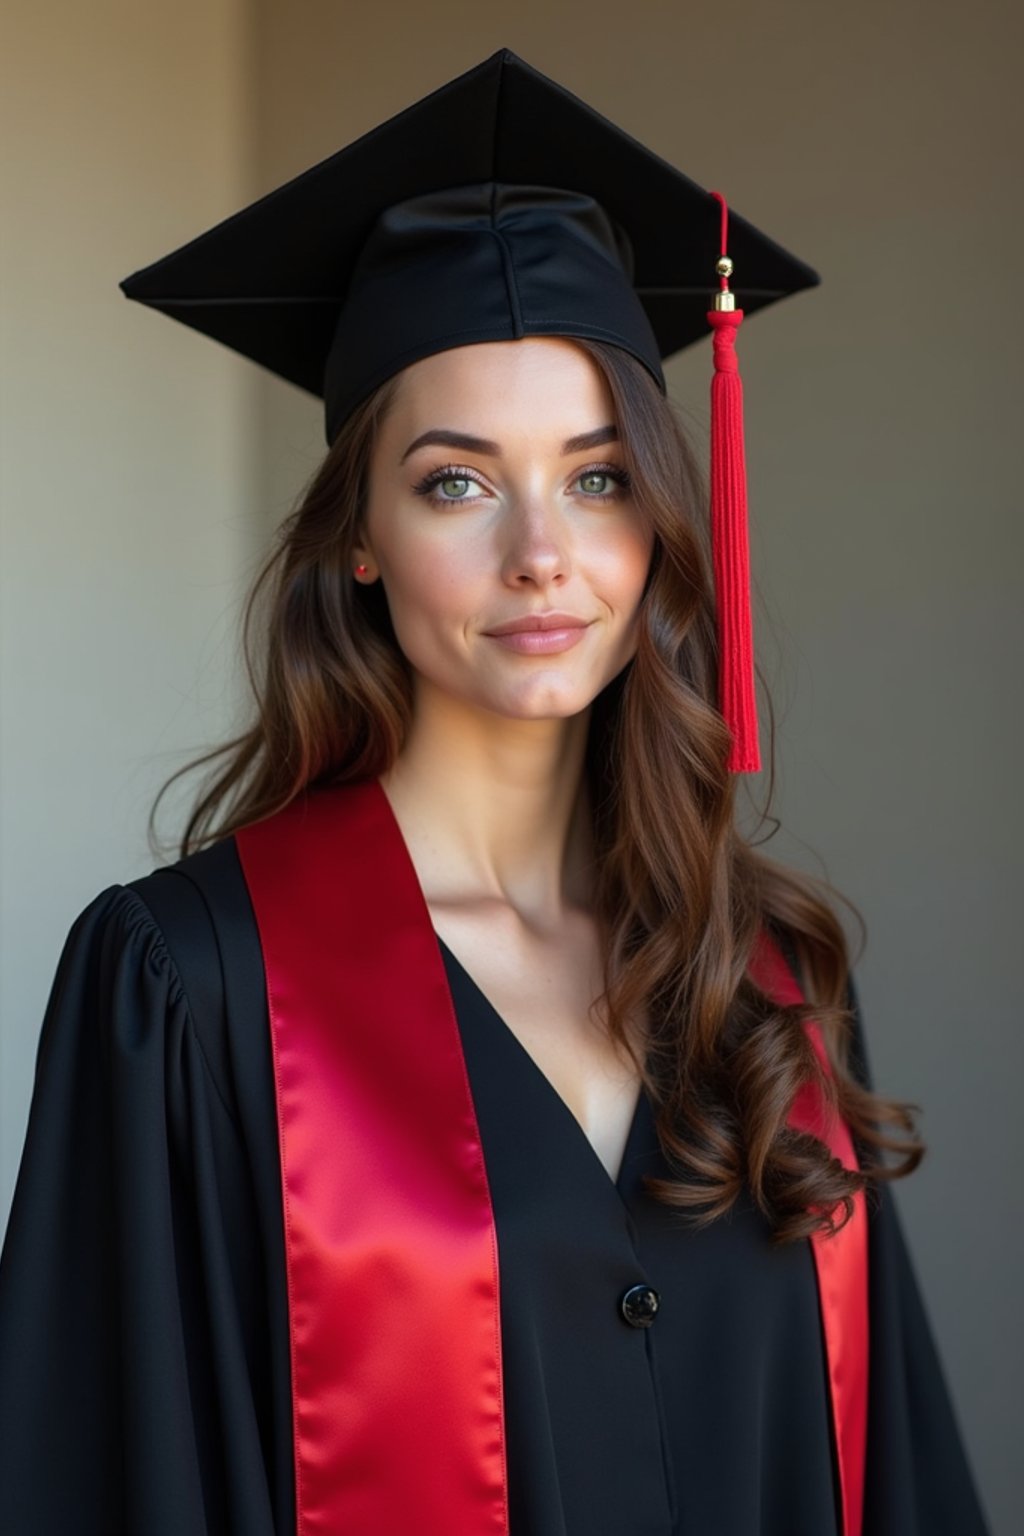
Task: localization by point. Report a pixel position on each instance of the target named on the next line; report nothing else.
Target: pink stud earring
(360, 570)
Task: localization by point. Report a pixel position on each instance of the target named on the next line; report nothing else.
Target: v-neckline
(615, 1184)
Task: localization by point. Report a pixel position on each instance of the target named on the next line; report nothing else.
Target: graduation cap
(498, 206)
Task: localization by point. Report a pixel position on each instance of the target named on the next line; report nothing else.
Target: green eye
(591, 475)
(448, 483)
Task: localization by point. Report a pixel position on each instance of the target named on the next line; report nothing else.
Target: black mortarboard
(499, 206)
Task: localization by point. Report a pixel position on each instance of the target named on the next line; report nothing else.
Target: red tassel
(729, 539)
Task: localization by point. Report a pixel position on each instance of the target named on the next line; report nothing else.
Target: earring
(360, 570)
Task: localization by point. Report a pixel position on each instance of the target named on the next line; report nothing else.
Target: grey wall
(879, 142)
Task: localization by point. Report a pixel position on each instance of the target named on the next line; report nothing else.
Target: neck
(494, 808)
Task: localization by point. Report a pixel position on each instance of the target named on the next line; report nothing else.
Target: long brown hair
(680, 893)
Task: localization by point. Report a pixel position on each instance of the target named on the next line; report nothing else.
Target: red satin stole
(391, 1253)
(841, 1261)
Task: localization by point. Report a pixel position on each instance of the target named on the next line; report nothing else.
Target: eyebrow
(447, 438)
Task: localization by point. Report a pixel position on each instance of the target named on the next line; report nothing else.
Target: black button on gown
(713, 1418)
(144, 1371)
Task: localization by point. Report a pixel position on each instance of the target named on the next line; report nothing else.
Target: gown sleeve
(918, 1478)
(130, 1355)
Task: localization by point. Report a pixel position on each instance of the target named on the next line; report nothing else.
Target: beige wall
(124, 461)
(143, 466)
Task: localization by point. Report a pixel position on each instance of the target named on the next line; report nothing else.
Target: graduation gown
(145, 1365)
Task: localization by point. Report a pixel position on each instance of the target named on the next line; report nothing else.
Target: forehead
(546, 380)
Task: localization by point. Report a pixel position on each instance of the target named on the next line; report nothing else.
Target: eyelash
(426, 487)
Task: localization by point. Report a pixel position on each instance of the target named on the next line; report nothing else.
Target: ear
(362, 555)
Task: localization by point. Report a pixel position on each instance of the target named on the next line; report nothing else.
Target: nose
(536, 544)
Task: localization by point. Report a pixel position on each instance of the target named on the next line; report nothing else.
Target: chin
(539, 702)
(549, 694)
(545, 712)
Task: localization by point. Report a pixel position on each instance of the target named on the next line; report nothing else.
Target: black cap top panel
(498, 205)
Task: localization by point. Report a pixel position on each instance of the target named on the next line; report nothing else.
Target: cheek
(622, 563)
(433, 584)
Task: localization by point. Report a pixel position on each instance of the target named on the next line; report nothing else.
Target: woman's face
(498, 494)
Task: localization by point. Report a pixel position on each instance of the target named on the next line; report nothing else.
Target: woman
(467, 1132)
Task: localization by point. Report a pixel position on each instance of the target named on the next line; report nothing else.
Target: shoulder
(168, 920)
(857, 1052)
(181, 902)
(206, 888)
(113, 979)
(201, 906)
(193, 898)
(179, 941)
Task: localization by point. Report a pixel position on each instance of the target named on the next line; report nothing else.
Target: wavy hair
(680, 893)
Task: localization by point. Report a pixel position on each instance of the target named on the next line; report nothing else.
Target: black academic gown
(144, 1363)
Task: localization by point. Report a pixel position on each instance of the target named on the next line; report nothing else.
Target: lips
(540, 634)
(539, 621)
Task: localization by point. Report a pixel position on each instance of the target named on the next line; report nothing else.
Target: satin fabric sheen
(841, 1261)
(391, 1252)
(390, 1247)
